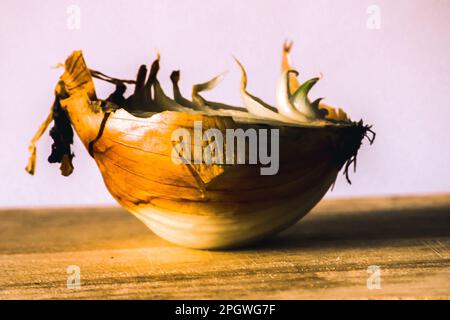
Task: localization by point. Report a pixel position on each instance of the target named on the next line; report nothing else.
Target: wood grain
(324, 256)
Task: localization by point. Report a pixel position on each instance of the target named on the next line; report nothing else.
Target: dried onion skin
(205, 206)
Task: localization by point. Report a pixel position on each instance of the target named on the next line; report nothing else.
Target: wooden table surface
(325, 255)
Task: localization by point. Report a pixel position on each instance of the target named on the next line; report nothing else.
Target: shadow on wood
(352, 228)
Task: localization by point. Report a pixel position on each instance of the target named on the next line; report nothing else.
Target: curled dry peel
(200, 205)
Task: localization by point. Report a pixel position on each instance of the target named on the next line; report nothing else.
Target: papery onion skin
(197, 205)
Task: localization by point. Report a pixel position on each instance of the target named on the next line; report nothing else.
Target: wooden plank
(324, 256)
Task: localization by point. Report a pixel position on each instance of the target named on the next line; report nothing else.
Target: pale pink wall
(396, 78)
